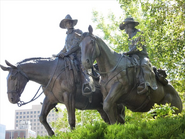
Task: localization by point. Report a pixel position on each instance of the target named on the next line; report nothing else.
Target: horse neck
(39, 72)
(107, 58)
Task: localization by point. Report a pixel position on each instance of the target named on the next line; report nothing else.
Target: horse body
(58, 84)
(118, 80)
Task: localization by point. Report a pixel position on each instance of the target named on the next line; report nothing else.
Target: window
(38, 111)
(17, 113)
(34, 112)
(24, 112)
(31, 112)
(20, 116)
(20, 112)
(28, 112)
(27, 116)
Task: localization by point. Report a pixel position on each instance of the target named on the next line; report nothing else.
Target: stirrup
(144, 90)
(88, 93)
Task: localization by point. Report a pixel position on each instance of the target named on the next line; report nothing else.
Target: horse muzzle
(13, 98)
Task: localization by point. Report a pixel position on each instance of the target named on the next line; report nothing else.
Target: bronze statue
(118, 79)
(59, 86)
(137, 51)
(72, 49)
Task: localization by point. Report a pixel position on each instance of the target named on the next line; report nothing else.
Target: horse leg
(46, 107)
(104, 115)
(70, 105)
(121, 113)
(110, 106)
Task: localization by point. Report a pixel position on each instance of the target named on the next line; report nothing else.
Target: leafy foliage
(138, 125)
(162, 22)
(83, 117)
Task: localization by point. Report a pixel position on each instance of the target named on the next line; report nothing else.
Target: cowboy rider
(71, 47)
(137, 51)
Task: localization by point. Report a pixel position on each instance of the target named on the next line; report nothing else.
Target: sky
(30, 28)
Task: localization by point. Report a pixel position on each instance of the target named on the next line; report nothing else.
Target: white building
(32, 115)
(24, 131)
(2, 131)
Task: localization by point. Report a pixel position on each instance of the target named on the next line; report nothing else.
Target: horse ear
(90, 29)
(5, 68)
(78, 35)
(9, 64)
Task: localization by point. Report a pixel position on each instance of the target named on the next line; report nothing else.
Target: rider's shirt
(71, 40)
(136, 45)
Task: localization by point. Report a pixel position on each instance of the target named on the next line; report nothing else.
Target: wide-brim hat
(126, 21)
(67, 18)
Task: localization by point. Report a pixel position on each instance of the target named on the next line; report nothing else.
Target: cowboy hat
(68, 18)
(126, 21)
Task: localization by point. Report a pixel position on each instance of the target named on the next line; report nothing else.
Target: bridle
(19, 91)
(96, 45)
(20, 103)
(19, 71)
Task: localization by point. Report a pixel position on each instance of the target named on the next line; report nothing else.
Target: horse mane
(34, 60)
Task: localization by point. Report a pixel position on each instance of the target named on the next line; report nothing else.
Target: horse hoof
(51, 133)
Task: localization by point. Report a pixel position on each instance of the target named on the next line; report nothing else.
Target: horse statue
(59, 86)
(118, 79)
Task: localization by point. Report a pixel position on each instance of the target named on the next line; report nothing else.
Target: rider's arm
(136, 46)
(72, 50)
(62, 51)
(75, 43)
(132, 51)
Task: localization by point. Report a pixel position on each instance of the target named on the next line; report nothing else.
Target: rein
(20, 103)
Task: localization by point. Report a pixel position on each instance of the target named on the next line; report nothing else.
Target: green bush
(166, 125)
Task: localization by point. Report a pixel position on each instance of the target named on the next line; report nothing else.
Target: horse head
(16, 82)
(89, 48)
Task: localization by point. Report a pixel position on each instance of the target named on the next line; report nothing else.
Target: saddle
(71, 63)
(146, 75)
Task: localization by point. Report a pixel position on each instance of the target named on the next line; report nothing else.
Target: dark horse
(59, 85)
(118, 79)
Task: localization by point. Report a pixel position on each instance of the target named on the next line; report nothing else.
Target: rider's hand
(62, 55)
(55, 55)
(125, 54)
